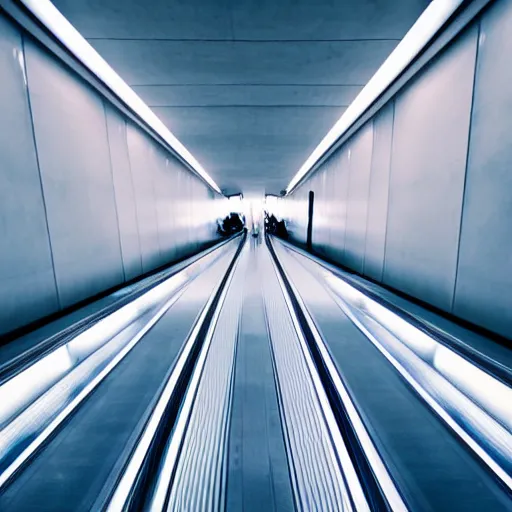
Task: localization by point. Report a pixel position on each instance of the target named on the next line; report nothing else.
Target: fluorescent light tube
(426, 26)
(62, 29)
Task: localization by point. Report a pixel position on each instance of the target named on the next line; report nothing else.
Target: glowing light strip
(352, 480)
(478, 413)
(38, 441)
(463, 412)
(124, 489)
(491, 394)
(62, 29)
(426, 26)
(378, 466)
(76, 351)
(172, 449)
(440, 409)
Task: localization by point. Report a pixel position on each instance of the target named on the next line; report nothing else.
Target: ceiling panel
(149, 19)
(249, 86)
(324, 19)
(243, 19)
(247, 95)
(251, 148)
(199, 62)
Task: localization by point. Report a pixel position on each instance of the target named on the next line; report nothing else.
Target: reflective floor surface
(254, 378)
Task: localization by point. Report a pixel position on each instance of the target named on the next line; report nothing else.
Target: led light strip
(62, 29)
(347, 299)
(172, 450)
(38, 441)
(426, 26)
(480, 385)
(351, 478)
(121, 496)
(438, 408)
(385, 481)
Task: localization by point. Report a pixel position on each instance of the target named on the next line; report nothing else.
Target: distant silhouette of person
(275, 227)
(281, 230)
(270, 223)
(233, 223)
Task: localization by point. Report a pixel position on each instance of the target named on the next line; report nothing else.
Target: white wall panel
(124, 194)
(439, 209)
(378, 193)
(85, 202)
(27, 282)
(320, 219)
(181, 218)
(195, 223)
(301, 212)
(142, 161)
(206, 213)
(357, 199)
(294, 210)
(164, 178)
(484, 281)
(188, 206)
(428, 166)
(74, 160)
(329, 204)
(203, 214)
(300, 208)
(341, 171)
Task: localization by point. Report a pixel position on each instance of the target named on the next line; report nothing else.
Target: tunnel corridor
(255, 256)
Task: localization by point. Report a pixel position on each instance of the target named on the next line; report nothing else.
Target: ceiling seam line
(262, 41)
(245, 85)
(278, 105)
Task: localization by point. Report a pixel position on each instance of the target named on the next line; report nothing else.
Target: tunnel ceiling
(249, 86)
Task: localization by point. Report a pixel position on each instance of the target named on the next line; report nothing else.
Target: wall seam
(338, 169)
(153, 152)
(329, 180)
(114, 191)
(473, 91)
(328, 195)
(125, 131)
(350, 146)
(169, 211)
(389, 190)
(135, 199)
(36, 151)
(368, 198)
(437, 46)
(325, 235)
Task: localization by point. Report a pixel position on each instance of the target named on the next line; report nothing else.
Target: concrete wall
(87, 199)
(424, 204)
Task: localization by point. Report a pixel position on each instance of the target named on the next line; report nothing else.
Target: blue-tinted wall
(88, 200)
(420, 197)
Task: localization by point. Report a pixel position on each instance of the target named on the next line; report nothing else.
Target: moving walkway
(254, 377)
